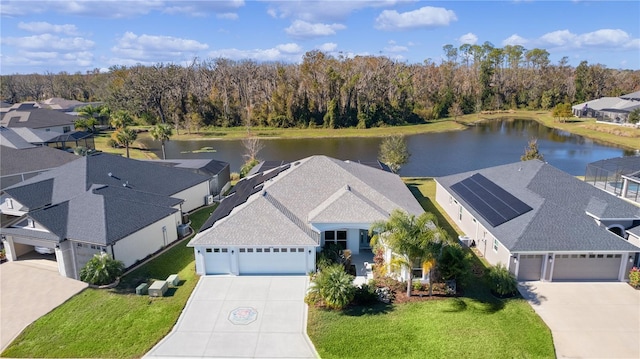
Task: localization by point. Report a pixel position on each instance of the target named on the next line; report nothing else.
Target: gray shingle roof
(312, 190)
(14, 161)
(209, 167)
(558, 221)
(31, 117)
(81, 201)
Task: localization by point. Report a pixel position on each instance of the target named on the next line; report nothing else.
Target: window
(249, 250)
(267, 250)
(258, 250)
(242, 250)
(583, 256)
(208, 250)
(80, 245)
(66, 129)
(342, 235)
(592, 255)
(329, 236)
(600, 255)
(495, 244)
(9, 203)
(216, 250)
(460, 213)
(609, 255)
(338, 237)
(224, 250)
(300, 249)
(284, 250)
(618, 256)
(276, 250)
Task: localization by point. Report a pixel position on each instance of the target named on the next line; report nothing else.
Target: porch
(360, 260)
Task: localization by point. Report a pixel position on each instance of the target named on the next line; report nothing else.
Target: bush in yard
(501, 281)
(331, 286)
(101, 269)
(634, 277)
(454, 264)
(366, 294)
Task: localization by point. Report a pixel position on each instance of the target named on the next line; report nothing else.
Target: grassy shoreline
(625, 137)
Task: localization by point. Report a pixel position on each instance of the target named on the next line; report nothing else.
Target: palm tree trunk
(164, 155)
(127, 147)
(430, 284)
(409, 285)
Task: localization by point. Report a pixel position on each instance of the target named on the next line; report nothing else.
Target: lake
(486, 144)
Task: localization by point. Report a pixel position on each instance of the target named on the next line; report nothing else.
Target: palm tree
(94, 115)
(413, 240)
(101, 269)
(121, 119)
(161, 133)
(125, 137)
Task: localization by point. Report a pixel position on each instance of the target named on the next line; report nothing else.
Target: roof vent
(110, 174)
(347, 188)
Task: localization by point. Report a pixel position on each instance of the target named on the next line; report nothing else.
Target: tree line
(331, 92)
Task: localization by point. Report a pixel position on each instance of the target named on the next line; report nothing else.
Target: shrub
(454, 264)
(112, 143)
(332, 286)
(365, 294)
(634, 277)
(101, 269)
(234, 176)
(247, 166)
(501, 281)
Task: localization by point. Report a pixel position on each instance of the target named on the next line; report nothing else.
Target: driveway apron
(29, 290)
(588, 320)
(241, 317)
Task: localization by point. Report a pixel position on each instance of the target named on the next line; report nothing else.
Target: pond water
(487, 144)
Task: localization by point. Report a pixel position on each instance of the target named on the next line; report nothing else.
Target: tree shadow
(457, 305)
(429, 206)
(528, 292)
(375, 309)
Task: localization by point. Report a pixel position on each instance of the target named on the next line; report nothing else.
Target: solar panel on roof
(492, 202)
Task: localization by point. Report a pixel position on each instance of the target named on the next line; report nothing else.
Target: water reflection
(432, 154)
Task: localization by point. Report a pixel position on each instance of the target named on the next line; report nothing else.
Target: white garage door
(530, 267)
(586, 267)
(217, 261)
(289, 260)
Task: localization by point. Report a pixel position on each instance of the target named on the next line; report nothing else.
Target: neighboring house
(30, 116)
(619, 176)
(127, 208)
(277, 220)
(264, 166)
(611, 109)
(20, 159)
(542, 223)
(17, 136)
(218, 171)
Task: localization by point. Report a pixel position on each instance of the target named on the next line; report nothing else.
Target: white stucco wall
(11, 207)
(193, 197)
(353, 233)
(145, 241)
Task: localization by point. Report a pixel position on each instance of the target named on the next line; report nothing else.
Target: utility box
(142, 289)
(173, 280)
(158, 288)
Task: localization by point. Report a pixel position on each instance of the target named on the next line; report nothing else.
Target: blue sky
(75, 35)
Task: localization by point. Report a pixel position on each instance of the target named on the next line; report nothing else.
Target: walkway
(241, 317)
(588, 320)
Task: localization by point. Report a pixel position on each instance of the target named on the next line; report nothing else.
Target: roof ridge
(287, 213)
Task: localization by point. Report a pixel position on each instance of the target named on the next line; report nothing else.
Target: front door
(365, 240)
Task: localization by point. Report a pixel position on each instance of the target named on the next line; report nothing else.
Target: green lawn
(476, 325)
(114, 323)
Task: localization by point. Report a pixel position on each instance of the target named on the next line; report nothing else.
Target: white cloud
(425, 17)
(156, 48)
(396, 48)
(515, 39)
(284, 52)
(328, 47)
(559, 38)
(48, 42)
(45, 27)
(303, 29)
(118, 8)
(603, 38)
(468, 38)
(323, 11)
(228, 16)
(290, 48)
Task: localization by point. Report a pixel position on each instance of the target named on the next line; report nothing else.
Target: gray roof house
(30, 116)
(218, 171)
(610, 109)
(127, 208)
(275, 221)
(542, 223)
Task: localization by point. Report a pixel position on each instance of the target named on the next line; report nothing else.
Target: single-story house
(612, 109)
(542, 223)
(29, 115)
(218, 171)
(277, 220)
(127, 208)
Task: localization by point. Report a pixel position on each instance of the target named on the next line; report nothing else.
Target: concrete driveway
(588, 320)
(28, 290)
(241, 317)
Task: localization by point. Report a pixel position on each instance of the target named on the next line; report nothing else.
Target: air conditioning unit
(183, 230)
(208, 200)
